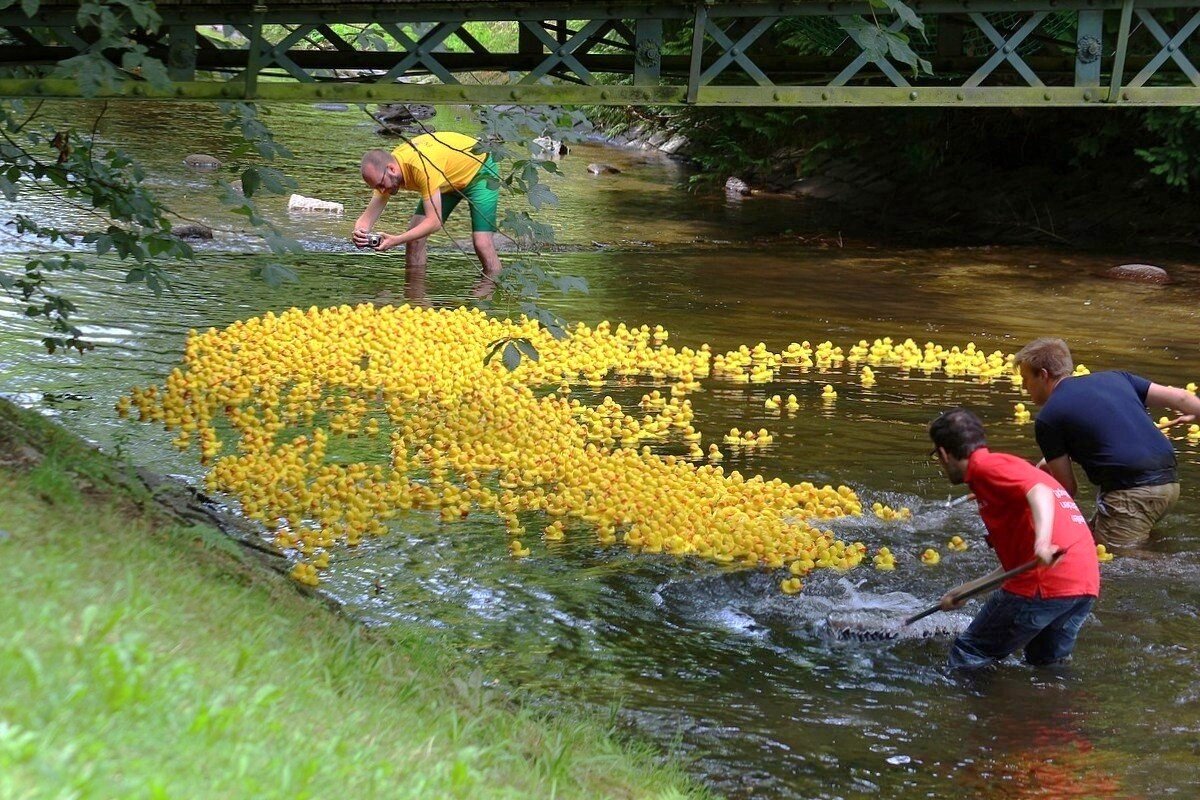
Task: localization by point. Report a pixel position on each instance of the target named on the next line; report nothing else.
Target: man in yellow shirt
(443, 169)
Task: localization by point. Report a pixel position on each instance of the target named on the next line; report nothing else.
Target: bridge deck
(804, 52)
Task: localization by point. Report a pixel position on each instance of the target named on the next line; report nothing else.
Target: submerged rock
(551, 147)
(202, 162)
(1139, 273)
(736, 187)
(398, 118)
(192, 230)
(603, 169)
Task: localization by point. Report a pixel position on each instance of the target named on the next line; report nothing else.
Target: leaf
(527, 348)
(250, 181)
(540, 194)
(493, 348)
(135, 275)
(901, 10)
(275, 275)
(30, 7)
(511, 356)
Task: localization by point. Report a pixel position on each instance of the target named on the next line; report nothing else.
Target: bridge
(620, 52)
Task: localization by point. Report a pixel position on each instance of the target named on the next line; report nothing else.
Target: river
(714, 664)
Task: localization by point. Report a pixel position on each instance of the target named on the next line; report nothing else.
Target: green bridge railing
(979, 52)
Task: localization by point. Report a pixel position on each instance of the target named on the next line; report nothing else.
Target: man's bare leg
(416, 252)
(485, 249)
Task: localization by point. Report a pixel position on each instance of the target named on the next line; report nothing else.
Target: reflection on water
(719, 662)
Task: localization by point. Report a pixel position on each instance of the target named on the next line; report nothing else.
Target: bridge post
(181, 52)
(1089, 47)
(1118, 70)
(647, 52)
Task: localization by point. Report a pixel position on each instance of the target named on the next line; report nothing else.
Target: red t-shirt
(1000, 483)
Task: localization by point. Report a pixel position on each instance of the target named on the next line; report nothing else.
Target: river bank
(154, 656)
(1022, 190)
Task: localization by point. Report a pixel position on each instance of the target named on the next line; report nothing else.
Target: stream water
(716, 664)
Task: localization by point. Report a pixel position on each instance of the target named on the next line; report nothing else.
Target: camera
(374, 239)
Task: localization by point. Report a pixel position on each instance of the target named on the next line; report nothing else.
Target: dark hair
(959, 431)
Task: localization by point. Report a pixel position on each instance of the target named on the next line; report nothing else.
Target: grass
(144, 658)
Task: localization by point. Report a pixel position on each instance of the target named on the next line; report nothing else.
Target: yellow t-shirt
(442, 161)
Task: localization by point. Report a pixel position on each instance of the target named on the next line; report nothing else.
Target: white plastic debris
(299, 202)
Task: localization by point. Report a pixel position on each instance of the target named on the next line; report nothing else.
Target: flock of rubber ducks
(266, 401)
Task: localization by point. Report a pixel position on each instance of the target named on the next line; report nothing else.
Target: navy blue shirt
(1100, 421)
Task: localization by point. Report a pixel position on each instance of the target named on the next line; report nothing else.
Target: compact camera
(374, 239)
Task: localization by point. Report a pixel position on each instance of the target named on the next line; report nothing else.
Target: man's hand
(361, 237)
(387, 241)
(1045, 554)
(950, 601)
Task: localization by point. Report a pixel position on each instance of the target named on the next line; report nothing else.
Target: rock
(551, 147)
(201, 162)
(603, 169)
(674, 144)
(397, 118)
(236, 186)
(736, 187)
(657, 138)
(192, 230)
(299, 202)
(1139, 273)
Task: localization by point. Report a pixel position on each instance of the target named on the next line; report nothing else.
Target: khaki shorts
(1124, 517)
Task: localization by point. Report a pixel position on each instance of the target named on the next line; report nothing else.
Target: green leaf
(527, 348)
(511, 356)
(540, 194)
(250, 181)
(275, 275)
(30, 7)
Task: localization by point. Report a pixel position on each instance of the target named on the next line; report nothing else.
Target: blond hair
(1051, 355)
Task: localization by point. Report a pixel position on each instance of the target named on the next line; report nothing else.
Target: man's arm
(1043, 507)
(368, 218)
(1060, 469)
(431, 224)
(1181, 400)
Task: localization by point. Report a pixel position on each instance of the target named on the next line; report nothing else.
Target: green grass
(141, 658)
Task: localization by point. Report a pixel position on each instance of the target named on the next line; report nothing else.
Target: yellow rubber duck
(1021, 414)
(792, 403)
(930, 557)
(1191, 387)
(866, 376)
(1102, 553)
(957, 543)
(1193, 432)
(772, 403)
(517, 550)
(554, 531)
(884, 560)
(791, 585)
(828, 392)
(714, 453)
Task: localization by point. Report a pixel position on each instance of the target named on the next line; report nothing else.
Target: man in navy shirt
(1101, 422)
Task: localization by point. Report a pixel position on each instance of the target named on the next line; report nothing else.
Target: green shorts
(482, 195)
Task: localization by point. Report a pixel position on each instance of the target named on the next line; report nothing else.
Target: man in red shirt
(1028, 515)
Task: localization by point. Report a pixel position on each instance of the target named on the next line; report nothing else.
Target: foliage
(131, 224)
(1175, 157)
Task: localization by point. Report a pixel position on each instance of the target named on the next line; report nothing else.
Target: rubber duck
(930, 557)
(517, 550)
(792, 403)
(791, 585)
(772, 403)
(1102, 553)
(828, 392)
(957, 543)
(1021, 414)
(884, 560)
(867, 376)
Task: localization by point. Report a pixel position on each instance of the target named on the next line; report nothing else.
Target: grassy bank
(142, 657)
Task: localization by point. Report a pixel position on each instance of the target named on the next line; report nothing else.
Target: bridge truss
(616, 52)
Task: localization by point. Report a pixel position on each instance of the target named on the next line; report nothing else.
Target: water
(715, 664)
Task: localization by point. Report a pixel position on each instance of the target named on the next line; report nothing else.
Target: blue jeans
(1044, 627)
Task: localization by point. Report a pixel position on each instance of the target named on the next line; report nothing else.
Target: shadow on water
(720, 664)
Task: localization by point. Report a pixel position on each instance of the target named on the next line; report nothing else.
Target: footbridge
(617, 52)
